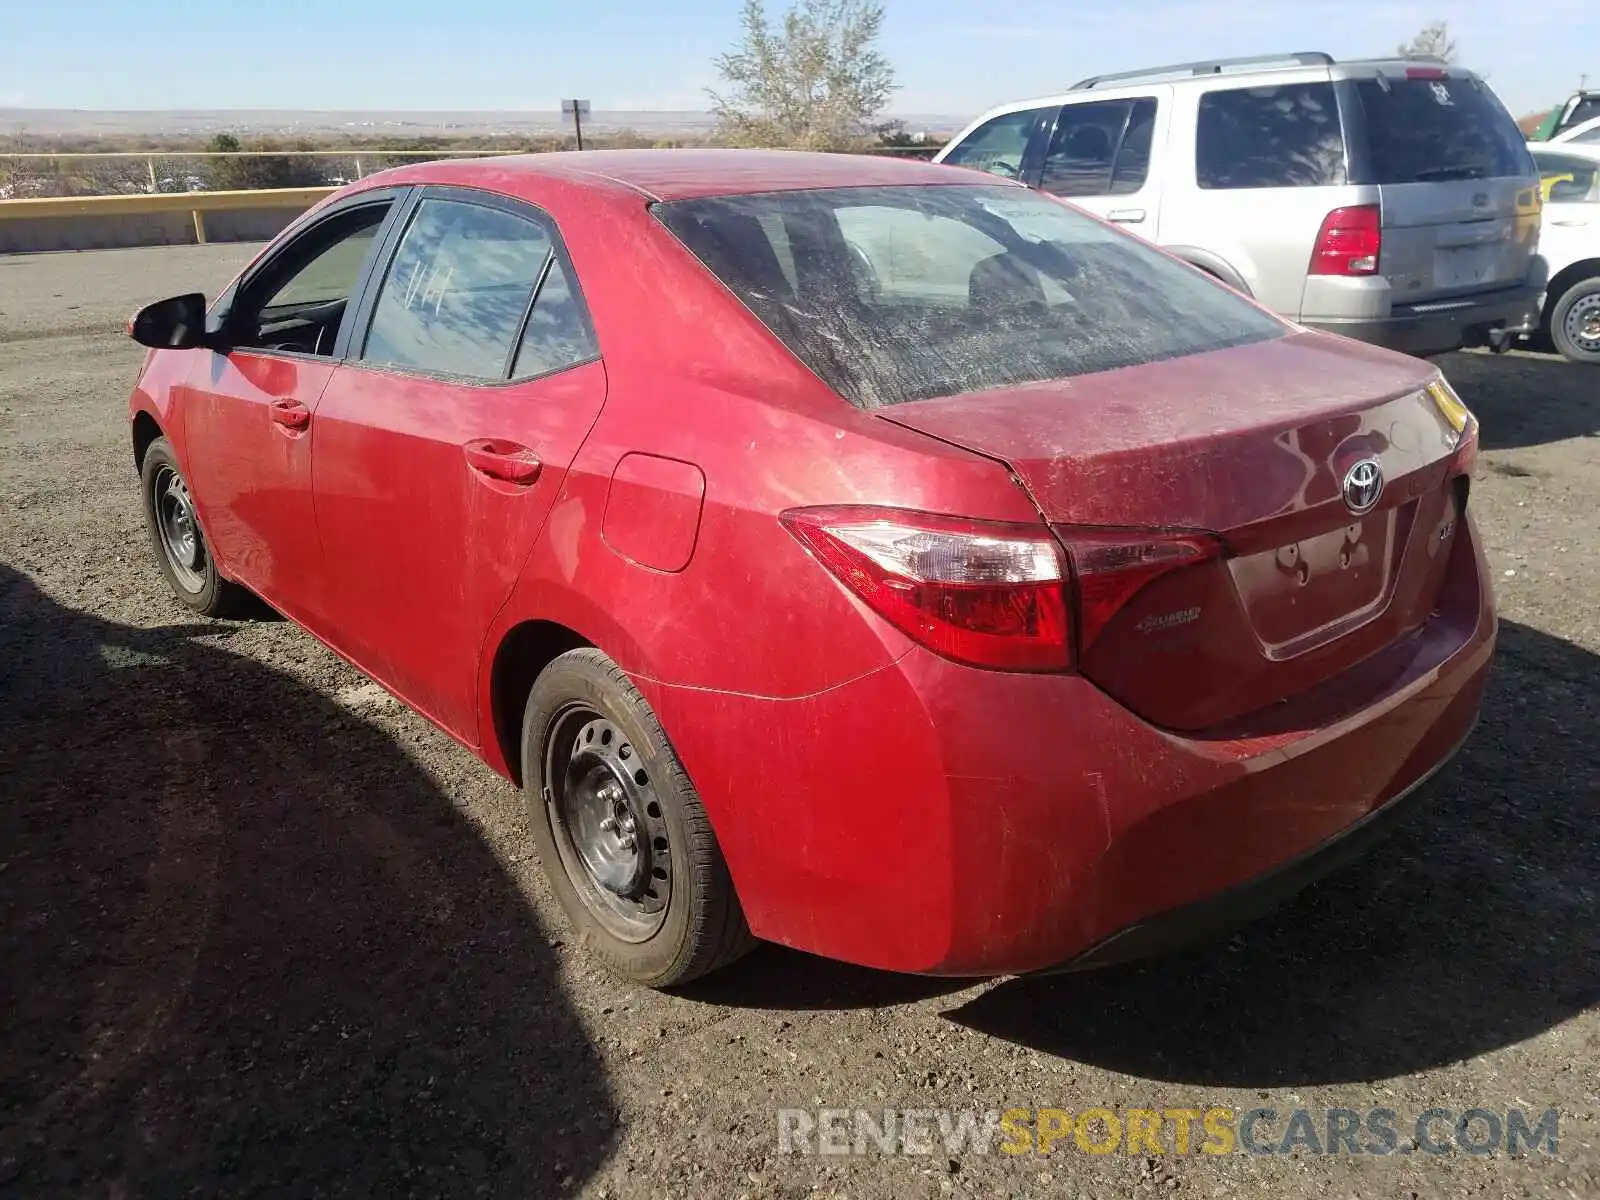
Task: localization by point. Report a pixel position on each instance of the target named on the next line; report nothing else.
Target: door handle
(1571, 222)
(1129, 216)
(502, 460)
(291, 414)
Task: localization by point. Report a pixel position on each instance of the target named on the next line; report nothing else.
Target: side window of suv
(1100, 148)
(997, 146)
(1269, 137)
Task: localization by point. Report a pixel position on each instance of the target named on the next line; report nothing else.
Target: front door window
(298, 302)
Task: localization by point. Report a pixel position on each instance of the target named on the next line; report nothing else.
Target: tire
(1575, 322)
(650, 895)
(179, 544)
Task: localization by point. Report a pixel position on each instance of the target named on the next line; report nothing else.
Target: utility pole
(577, 110)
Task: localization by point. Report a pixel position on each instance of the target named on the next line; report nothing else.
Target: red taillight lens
(1349, 242)
(1427, 73)
(988, 593)
(1109, 567)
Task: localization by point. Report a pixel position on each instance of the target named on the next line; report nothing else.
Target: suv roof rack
(1214, 66)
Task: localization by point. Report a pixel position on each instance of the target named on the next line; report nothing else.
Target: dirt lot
(265, 932)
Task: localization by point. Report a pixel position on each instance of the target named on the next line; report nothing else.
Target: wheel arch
(1212, 264)
(146, 429)
(1572, 273)
(523, 652)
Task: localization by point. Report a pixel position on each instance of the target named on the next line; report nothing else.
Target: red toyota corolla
(868, 556)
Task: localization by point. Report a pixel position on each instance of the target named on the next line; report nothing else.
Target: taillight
(988, 593)
(1427, 73)
(1109, 567)
(991, 593)
(1349, 242)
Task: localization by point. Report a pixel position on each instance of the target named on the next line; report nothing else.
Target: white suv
(1390, 201)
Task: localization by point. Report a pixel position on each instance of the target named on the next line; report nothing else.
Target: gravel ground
(266, 932)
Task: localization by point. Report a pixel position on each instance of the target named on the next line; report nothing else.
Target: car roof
(1571, 131)
(669, 174)
(1125, 83)
(1567, 149)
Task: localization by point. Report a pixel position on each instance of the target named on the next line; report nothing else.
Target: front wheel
(1575, 322)
(180, 545)
(620, 831)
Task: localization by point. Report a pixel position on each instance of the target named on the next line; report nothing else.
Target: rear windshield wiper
(1443, 173)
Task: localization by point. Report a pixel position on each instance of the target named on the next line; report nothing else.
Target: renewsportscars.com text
(1179, 1131)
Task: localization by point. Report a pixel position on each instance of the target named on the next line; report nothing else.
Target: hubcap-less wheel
(1582, 323)
(608, 824)
(180, 531)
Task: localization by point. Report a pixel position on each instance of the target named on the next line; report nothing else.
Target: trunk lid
(1253, 445)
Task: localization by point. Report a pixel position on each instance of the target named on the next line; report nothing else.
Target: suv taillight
(1349, 242)
(989, 593)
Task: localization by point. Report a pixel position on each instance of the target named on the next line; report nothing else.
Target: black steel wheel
(610, 830)
(620, 831)
(177, 539)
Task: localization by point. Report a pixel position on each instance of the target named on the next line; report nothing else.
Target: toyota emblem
(1363, 485)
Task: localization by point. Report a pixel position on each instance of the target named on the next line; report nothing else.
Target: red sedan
(873, 557)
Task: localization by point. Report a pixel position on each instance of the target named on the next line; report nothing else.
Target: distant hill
(293, 123)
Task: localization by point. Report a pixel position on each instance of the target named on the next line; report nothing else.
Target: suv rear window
(1421, 130)
(893, 294)
(1266, 137)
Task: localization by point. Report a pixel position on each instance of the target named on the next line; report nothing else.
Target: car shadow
(251, 947)
(1472, 928)
(1523, 400)
(777, 978)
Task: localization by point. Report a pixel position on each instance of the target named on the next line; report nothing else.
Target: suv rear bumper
(1439, 326)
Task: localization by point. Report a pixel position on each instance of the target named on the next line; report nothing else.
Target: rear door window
(998, 146)
(1100, 148)
(1427, 130)
(459, 298)
(557, 334)
(1269, 137)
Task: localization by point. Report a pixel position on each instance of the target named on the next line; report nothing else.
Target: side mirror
(178, 323)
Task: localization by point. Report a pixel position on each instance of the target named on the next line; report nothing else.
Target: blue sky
(951, 56)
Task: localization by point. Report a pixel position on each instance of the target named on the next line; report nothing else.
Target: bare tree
(1433, 42)
(815, 81)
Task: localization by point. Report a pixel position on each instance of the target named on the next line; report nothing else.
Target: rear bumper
(939, 819)
(1219, 914)
(1440, 326)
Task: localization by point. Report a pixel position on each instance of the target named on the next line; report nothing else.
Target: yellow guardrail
(196, 204)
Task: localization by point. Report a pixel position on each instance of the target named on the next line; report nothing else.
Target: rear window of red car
(893, 294)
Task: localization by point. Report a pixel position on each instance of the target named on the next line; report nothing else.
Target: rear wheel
(175, 534)
(621, 833)
(1575, 322)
